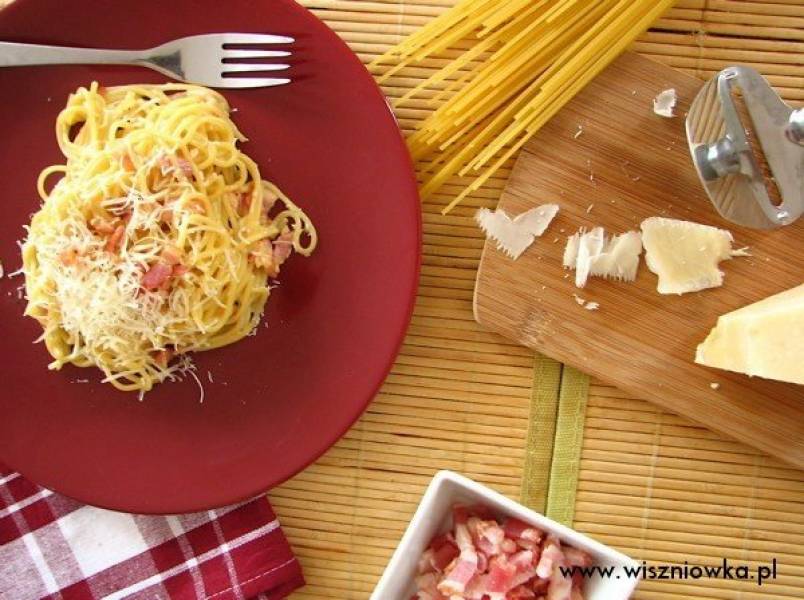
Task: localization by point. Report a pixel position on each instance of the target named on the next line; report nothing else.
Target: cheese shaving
(664, 103)
(593, 253)
(685, 255)
(514, 236)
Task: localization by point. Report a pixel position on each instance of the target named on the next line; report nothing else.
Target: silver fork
(195, 59)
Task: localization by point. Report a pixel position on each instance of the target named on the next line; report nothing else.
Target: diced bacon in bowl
(483, 557)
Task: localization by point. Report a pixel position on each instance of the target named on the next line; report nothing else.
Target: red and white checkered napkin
(54, 547)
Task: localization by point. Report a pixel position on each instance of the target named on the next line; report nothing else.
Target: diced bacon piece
(268, 201)
(170, 255)
(185, 166)
(68, 256)
(157, 276)
(528, 545)
(283, 247)
(427, 580)
(476, 589)
(525, 569)
(428, 589)
(577, 558)
(508, 546)
(440, 540)
(102, 225)
(179, 270)
(169, 164)
(114, 241)
(163, 357)
(526, 536)
(520, 593)
(464, 567)
(196, 206)
(463, 538)
(577, 587)
(164, 163)
(482, 562)
(166, 216)
(482, 512)
(460, 514)
(490, 536)
(426, 562)
(514, 527)
(551, 556)
(263, 257)
(445, 554)
(501, 576)
(532, 535)
(127, 163)
(458, 576)
(539, 585)
(243, 203)
(560, 587)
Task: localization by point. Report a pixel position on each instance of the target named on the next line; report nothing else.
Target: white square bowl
(434, 516)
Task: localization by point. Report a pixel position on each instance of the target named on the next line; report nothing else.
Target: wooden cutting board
(628, 164)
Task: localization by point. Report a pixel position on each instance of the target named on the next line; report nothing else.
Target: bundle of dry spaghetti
(505, 69)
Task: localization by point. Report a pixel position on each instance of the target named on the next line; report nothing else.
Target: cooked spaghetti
(159, 239)
(501, 70)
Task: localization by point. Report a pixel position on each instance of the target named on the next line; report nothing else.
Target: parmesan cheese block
(765, 339)
(685, 255)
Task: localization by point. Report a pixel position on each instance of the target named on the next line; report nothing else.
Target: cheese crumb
(664, 103)
(592, 306)
(714, 385)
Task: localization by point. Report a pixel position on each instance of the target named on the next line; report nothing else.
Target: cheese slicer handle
(795, 127)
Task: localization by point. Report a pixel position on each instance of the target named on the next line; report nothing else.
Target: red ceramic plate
(334, 326)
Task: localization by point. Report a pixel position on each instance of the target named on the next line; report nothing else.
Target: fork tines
(230, 55)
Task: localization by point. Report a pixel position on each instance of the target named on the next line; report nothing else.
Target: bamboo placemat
(652, 484)
(647, 482)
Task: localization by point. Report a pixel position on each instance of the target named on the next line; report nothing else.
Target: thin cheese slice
(764, 339)
(685, 255)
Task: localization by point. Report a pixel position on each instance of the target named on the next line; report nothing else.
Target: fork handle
(13, 54)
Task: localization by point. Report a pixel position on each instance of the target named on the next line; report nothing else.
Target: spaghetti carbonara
(159, 239)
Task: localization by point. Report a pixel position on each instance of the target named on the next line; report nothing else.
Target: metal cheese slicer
(748, 148)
